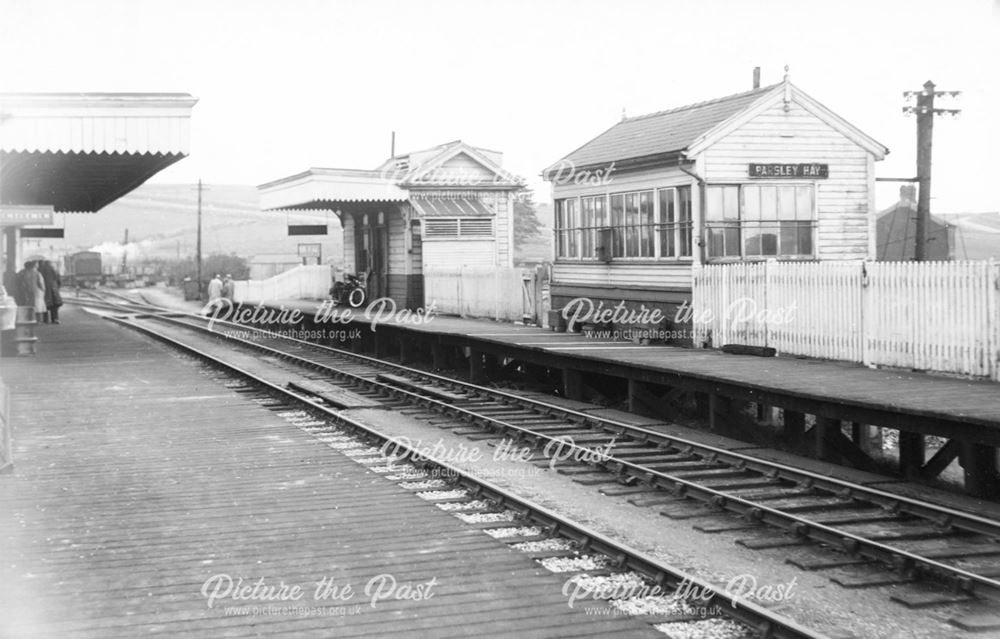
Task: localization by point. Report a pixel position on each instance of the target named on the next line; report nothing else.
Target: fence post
(496, 294)
(697, 291)
(769, 267)
(866, 311)
(993, 319)
(541, 277)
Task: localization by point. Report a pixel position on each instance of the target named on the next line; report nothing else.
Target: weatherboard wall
(667, 275)
(844, 216)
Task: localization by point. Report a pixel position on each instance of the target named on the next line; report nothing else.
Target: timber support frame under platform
(811, 421)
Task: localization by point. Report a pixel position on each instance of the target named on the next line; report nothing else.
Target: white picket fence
(299, 283)
(934, 316)
(505, 294)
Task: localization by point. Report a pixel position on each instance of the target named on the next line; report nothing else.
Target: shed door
(378, 285)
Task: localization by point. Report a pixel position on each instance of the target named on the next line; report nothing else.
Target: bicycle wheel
(356, 298)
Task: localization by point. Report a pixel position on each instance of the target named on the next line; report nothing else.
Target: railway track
(596, 567)
(912, 539)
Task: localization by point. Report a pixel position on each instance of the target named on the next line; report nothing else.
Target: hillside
(162, 222)
(977, 235)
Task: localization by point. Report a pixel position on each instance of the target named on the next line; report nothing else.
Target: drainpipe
(701, 205)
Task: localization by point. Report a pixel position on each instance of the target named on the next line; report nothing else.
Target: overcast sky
(288, 85)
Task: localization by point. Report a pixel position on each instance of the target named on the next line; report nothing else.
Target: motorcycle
(350, 292)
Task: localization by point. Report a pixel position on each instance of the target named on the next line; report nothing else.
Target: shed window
(632, 223)
(674, 226)
(475, 227)
(592, 218)
(758, 221)
(458, 228)
(567, 228)
(642, 224)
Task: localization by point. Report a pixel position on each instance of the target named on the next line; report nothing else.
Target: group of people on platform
(37, 286)
(221, 289)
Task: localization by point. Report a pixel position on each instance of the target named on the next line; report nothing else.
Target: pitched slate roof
(661, 132)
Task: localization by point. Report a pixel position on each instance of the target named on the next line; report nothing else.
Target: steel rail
(764, 621)
(942, 515)
(801, 526)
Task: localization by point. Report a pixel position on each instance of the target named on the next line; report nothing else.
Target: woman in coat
(32, 287)
(53, 299)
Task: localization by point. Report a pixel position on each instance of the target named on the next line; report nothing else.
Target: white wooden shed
(766, 174)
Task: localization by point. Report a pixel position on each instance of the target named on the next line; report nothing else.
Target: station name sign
(789, 170)
(307, 229)
(17, 215)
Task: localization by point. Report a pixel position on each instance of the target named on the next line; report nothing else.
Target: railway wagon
(83, 269)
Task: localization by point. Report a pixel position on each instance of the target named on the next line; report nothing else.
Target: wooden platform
(138, 478)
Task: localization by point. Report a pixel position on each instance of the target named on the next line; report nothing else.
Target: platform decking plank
(138, 477)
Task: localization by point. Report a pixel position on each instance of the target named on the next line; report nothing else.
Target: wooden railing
(504, 294)
(301, 282)
(934, 316)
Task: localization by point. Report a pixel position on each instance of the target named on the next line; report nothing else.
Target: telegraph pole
(197, 254)
(925, 112)
(125, 253)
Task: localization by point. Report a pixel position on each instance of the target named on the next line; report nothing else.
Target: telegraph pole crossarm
(925, 112)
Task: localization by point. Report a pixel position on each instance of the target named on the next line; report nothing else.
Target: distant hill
(977, 235)
(162, 222)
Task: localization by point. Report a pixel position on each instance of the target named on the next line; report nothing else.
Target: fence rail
(505, 294)
(300, 283)
(934, 316)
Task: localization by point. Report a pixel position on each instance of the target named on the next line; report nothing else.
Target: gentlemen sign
(789, 170)
(18, 215)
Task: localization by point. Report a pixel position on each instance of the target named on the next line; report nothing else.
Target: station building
(766, 174)
(444, 207)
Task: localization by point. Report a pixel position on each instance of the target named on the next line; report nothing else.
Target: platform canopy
(453, 171)
(77, 152)
(328, 188)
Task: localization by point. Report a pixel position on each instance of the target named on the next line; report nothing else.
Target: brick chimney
(907, 195)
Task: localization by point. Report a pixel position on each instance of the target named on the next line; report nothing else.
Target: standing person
(32, 288)
(20, 288)
(227, 287)
(53, 298)
(214, 288)
(10, 284)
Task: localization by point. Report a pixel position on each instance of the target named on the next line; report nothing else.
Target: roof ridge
(430, 148)
(694, 105)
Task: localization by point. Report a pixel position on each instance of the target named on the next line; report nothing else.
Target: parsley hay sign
(789, 170)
